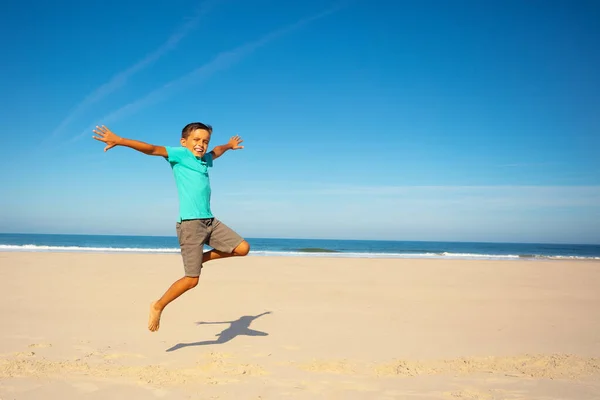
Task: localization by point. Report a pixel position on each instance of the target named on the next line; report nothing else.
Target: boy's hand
(105, 135)
(234, 142)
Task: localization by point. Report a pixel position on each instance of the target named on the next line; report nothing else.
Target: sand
(74, 326)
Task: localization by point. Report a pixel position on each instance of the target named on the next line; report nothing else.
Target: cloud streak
(120, 79)
(220, 62)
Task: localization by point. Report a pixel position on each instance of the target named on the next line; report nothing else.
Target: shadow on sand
(238, 327)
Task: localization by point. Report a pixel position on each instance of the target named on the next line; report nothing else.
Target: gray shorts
(193, 234)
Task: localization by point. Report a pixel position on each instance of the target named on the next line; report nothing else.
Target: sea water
(305, 247)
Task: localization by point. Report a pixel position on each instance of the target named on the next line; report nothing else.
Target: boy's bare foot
(154, 319)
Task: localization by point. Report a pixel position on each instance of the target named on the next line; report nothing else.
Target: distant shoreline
(330, 248)
(303, 239)
(324, 255)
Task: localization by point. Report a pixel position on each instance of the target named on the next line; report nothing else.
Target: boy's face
(197, 142)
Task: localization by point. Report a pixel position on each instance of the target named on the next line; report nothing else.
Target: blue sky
(430, 120)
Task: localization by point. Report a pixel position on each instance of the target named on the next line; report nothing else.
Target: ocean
(304, 247)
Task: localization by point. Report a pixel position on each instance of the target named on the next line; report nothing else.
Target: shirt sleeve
(175, 154)
(209, 159)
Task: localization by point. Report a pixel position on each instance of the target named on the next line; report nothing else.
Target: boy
(196, 224)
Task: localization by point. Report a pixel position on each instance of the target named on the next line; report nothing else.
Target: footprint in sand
(24, 354)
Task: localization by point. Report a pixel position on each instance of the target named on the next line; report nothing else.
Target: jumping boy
(196, 225)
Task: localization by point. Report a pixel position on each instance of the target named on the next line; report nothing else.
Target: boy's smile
(197, 142)
(199, 150)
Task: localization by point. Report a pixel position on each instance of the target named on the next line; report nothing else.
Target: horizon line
(307, 238)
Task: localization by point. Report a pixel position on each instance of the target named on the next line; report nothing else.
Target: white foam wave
(570, 257)
(471, 255)
(34, 247)
(337, 255)
(444, 255)
(385, 255)
(272, 253)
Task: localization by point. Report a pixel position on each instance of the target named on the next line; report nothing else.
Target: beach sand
(74, 326)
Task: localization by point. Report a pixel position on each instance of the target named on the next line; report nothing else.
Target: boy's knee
(191, 281)
(242, 249)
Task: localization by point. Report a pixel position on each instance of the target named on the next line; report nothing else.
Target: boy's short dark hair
(191, 127)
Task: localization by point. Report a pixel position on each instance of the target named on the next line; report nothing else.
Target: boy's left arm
(233, 144)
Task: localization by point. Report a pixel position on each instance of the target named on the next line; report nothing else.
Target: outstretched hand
(235, 141)
(107, 136)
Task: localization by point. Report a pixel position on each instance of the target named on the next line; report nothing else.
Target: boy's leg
(192, 236)
(225, 243)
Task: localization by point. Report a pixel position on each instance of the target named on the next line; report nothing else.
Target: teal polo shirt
(192, 181)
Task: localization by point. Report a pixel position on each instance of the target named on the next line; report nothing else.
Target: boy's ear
(182, 141)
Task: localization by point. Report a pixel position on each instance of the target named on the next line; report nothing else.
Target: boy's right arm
(107, 136)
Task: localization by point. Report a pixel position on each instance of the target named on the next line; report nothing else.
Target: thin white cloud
(121, 78)
(220, 62)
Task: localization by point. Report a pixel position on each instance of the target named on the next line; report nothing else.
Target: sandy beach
(74, 326)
